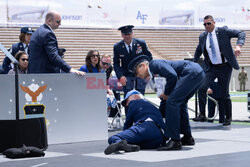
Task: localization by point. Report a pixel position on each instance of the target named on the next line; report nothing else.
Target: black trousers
(223, 73)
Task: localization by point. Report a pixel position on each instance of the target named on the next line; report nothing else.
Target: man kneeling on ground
(148, 129)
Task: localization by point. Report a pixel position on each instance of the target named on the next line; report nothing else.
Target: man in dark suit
(183, 79)
(143, 127)
(216, 47)
(23, 45)
(124, 52)
(43, 50)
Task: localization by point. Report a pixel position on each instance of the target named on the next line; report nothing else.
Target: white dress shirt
(129, 45)
(25, 48)
(216, 46)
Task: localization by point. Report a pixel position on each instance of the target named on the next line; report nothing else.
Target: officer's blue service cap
(132, 92)
(128, 29)
(136, 61)
(27, 30)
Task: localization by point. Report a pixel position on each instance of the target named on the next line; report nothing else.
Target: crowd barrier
(74, 107)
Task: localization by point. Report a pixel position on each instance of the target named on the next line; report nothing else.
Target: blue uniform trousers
(146, 134)
(177, 119)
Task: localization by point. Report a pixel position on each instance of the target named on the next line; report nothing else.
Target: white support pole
(234, 89)
(7, 53)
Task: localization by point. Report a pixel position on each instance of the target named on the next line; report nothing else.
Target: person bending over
(183, 79)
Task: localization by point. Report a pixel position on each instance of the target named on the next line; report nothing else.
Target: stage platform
(216, 146)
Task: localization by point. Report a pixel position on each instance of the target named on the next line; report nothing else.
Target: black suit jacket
(43, 52)
(224, 35)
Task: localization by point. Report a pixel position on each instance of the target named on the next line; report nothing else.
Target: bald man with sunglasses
(219, 59)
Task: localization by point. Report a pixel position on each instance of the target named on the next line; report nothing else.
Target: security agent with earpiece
(124, 52)
(183, 79)
(219, 60)
(144, 127)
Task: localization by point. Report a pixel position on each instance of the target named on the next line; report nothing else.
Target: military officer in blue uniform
(24, 38)
(124, 52)
(183, 79)
(148, 131)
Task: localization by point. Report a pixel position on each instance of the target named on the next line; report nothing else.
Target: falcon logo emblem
(34, 94)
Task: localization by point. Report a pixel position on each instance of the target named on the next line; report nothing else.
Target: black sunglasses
(104, 63)
(95, 56)
(25, 59)
(58, 21)
(208, 23)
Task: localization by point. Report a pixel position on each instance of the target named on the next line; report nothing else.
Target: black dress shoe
(130, 148)
(227, 122)
(200, 118)
(121, 146)
(114, 147)
(187, 141)
(171, 145)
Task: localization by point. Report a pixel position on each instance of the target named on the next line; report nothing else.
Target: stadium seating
(163, 43)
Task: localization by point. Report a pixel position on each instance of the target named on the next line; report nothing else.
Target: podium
(18, 132)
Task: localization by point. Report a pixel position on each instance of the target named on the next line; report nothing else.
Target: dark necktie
(26, 49)
(130, 50)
